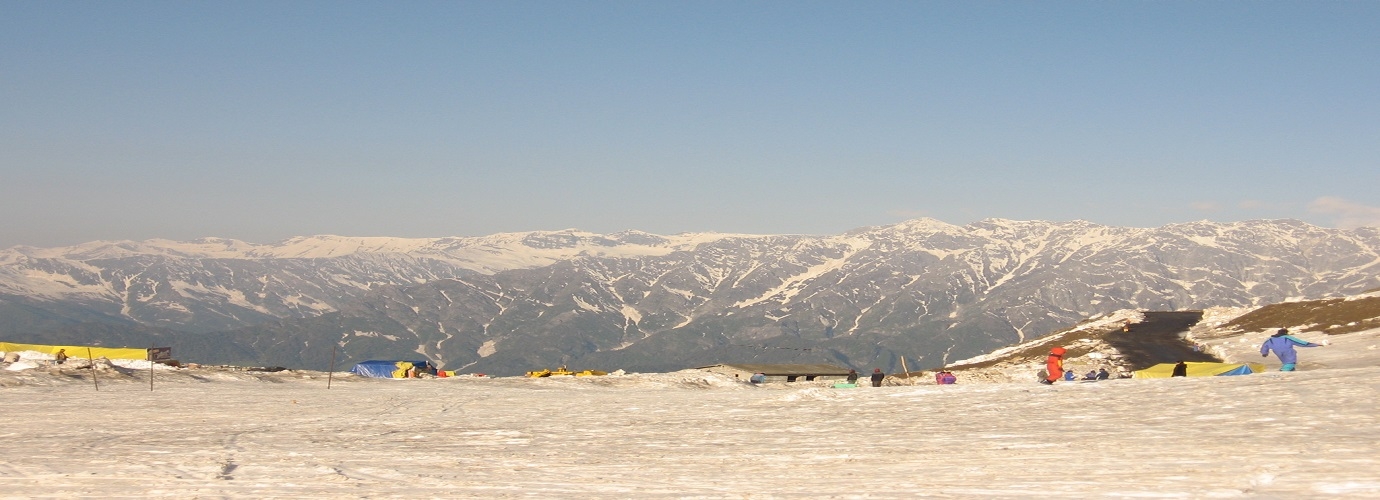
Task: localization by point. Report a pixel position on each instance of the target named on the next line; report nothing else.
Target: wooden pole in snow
(149, 355)
(903, 367)
(331, 374)
(92, 360)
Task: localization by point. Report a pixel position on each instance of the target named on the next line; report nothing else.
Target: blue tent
(390, 369)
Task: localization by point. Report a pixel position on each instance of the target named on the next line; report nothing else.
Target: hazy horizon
(260, 121)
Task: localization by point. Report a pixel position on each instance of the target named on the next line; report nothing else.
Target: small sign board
(160, 353)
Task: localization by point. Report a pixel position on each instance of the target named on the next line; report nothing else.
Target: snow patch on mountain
(488, 349)
(793, 285)
(582, 304)
(631, 313)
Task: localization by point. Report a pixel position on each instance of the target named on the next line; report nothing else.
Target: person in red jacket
(1054, 365)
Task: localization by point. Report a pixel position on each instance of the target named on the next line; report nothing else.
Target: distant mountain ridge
(921, 290)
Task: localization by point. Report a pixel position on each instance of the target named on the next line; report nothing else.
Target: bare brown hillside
(1155, 339)
(1330, 316)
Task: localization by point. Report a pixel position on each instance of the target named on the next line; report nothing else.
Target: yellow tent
(80, 351)
(1200, 369)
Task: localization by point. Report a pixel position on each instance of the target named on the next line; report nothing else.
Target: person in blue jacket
(1283, 345)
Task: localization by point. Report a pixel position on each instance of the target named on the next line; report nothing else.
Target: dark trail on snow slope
(1159, 339)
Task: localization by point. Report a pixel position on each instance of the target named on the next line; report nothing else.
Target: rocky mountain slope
(922, 290)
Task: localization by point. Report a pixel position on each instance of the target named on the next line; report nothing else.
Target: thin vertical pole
(92, 360)
(903, 367)
(149, 355)
(331, 374)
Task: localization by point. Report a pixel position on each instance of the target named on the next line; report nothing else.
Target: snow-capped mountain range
(922, 290)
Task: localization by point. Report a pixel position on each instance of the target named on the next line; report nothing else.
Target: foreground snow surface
(692, 435)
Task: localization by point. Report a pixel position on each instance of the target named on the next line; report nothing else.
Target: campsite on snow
(253, 432)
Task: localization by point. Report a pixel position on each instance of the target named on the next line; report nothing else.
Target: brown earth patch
(1330, 316)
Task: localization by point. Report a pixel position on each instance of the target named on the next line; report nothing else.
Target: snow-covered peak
(199, 248)
(326, 246)
(923, 225)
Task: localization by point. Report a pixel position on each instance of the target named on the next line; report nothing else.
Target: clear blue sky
(265, 120)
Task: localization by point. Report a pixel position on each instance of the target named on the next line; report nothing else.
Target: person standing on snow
(877, 377)
(852, 376)
(1054, 365)
(1283, 345)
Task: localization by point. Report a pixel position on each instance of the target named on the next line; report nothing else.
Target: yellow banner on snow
(80, 351)
(1200, 369)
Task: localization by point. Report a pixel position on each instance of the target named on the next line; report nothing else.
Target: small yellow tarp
(1200, 369)
(80, 351)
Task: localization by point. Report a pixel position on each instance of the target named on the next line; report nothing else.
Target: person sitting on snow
(1283, 345)
(1102, 374)
(1091, 375)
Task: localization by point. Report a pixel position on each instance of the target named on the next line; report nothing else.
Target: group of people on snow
(1281, 343)
(1054, 369)
(1098, 374)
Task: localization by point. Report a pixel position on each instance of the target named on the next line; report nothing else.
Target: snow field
(693, 435)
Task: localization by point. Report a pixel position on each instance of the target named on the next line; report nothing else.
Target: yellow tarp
(1200, 369)
(80, 351)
